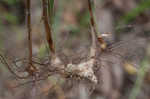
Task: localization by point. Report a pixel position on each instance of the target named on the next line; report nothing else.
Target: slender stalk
(29, 30)
(94, 30)
(30, 69)
(47, 27)
(92, 16)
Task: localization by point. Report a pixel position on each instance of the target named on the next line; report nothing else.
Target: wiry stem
(48, 28)
(4, 61)
(29, 30)
(93, 47)
(92, 17)
(30, 69)
(94, 30)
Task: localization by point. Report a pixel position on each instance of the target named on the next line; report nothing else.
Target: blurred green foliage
(84, 19)
(140, 78)
(9, 12)
(11, 2)
(10, 18)
(142, 7)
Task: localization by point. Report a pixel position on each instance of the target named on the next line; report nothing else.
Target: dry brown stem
(29, 30)
(30, 69)
(94, 30)
(47, 26)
